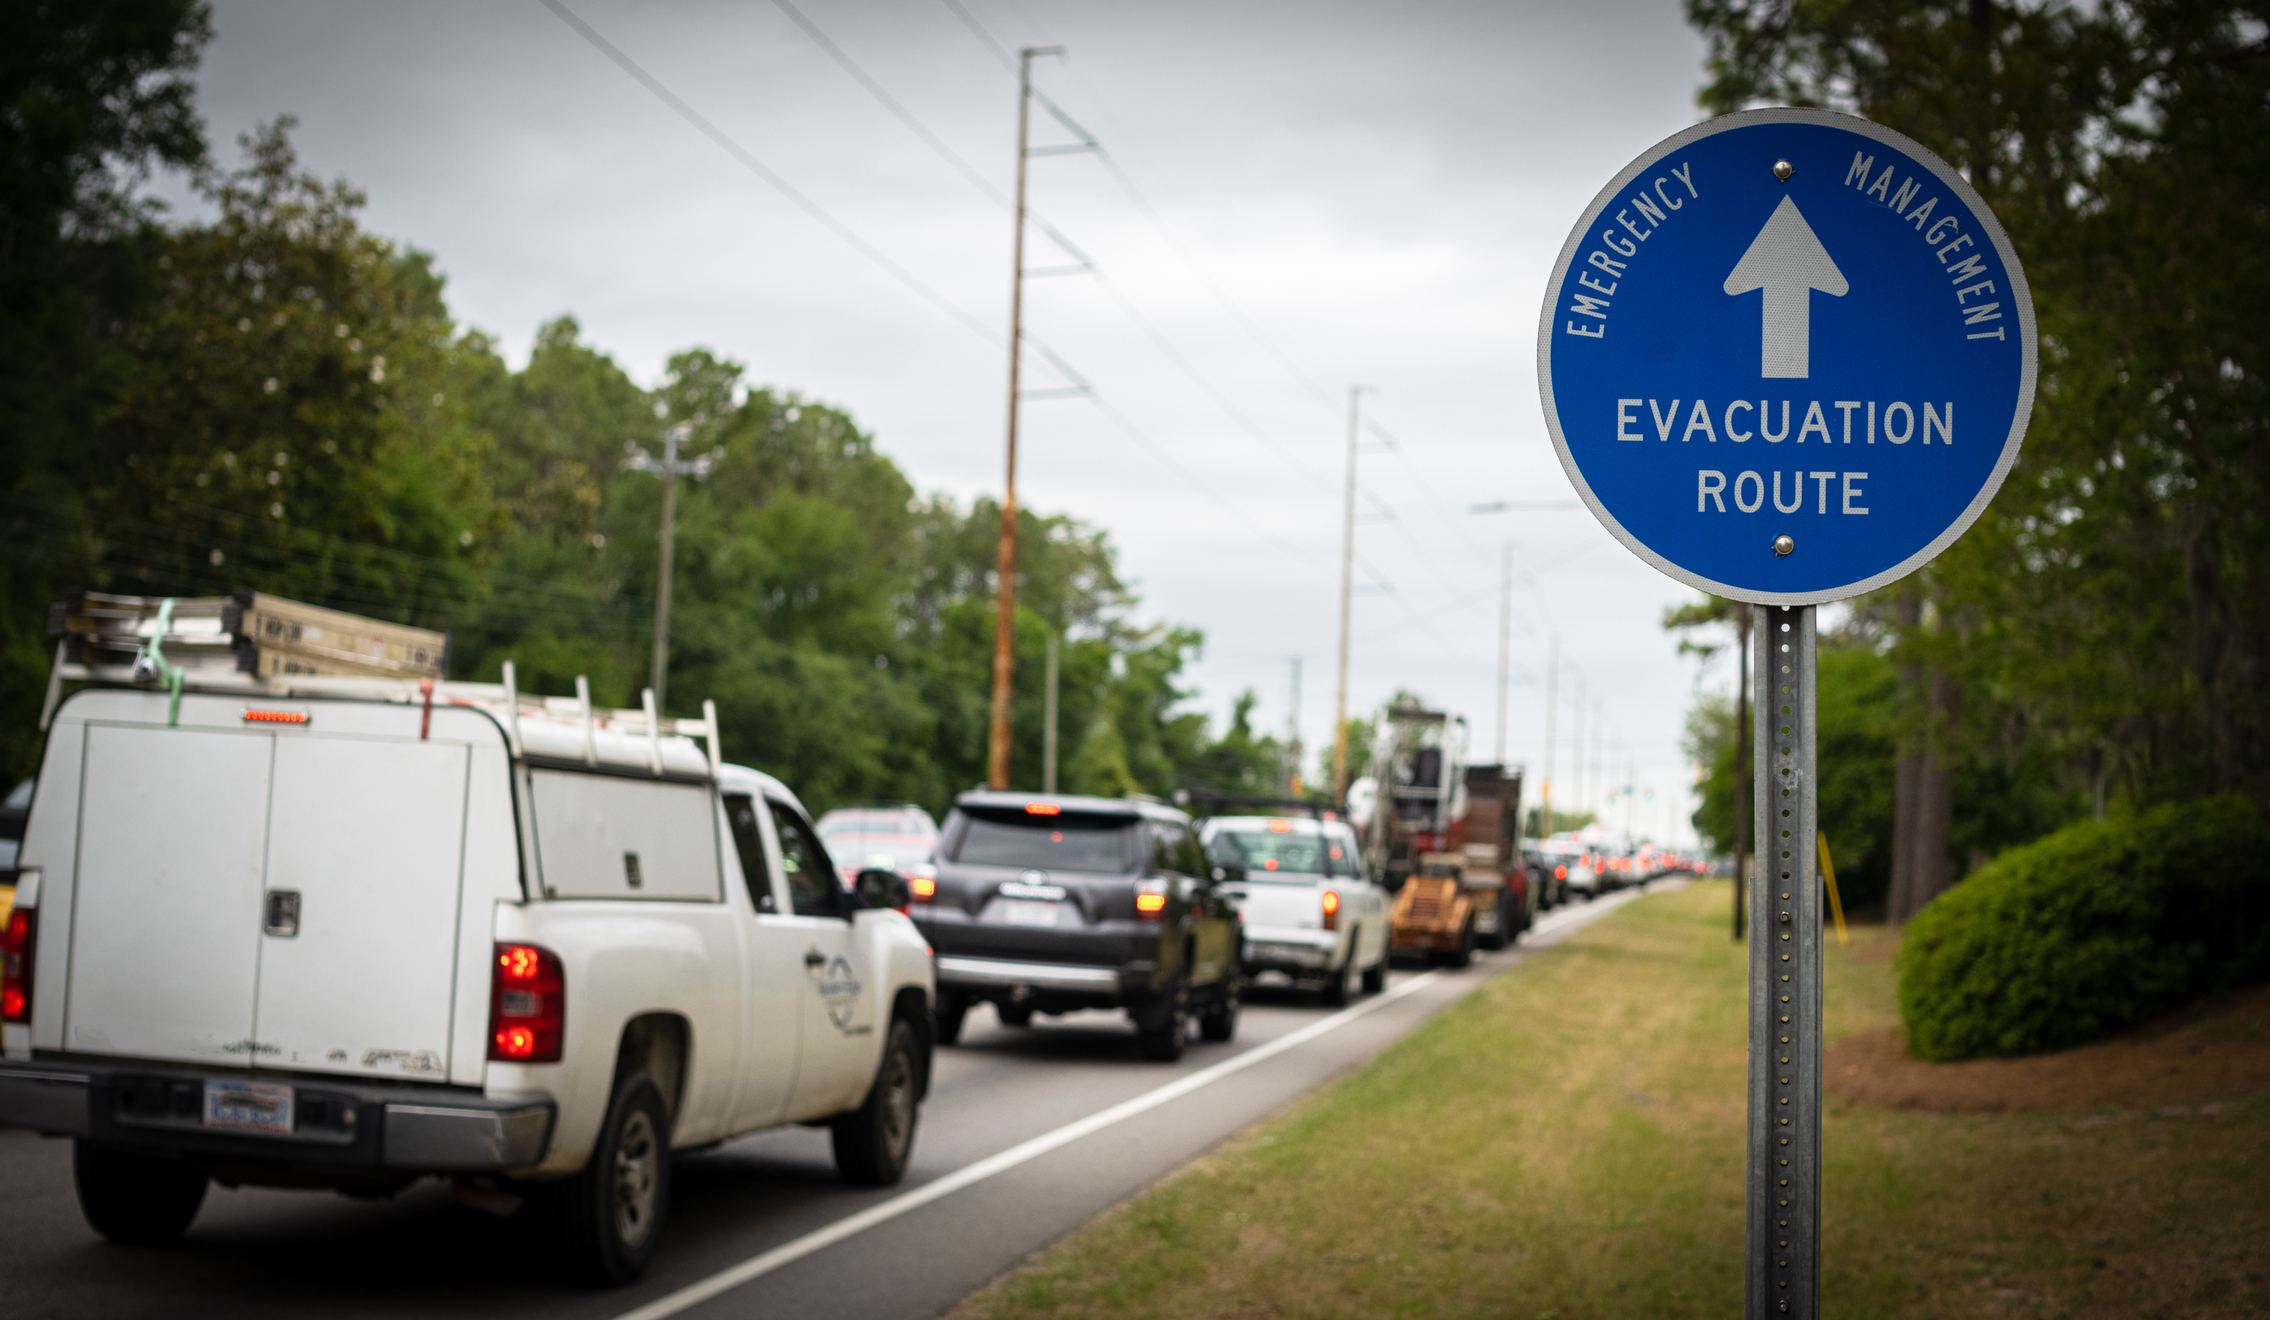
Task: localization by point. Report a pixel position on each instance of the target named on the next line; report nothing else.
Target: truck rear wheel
(947, 1017)
(1375, 976)
(873, 1141)
(1220, 1021)
(1340, 985)
(1463, 955)
(1163, 1036)
(136, 1200)
(608, 1218)
(1498, 938)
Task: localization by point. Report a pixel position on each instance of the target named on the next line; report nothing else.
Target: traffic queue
(290, 908)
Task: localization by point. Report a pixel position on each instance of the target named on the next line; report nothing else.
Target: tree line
(2100, 640)
(277, 398)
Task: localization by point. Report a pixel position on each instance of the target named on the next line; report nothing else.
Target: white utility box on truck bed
(349, 932)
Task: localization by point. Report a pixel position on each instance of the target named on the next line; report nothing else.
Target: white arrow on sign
(1788, 262)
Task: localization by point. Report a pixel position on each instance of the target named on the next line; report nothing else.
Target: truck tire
(873, 1141)
(607, 1219)
(135, 1200)
(1497, 938)
(1463, 955)
(946, 1017)
(1375, 976)
(1162, 1038)
(1220, 1021)
(1340, 986)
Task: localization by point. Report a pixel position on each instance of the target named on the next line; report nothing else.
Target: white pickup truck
(1308, 910)
(348, 933)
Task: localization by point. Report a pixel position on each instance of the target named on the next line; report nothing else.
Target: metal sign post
(1786, 357)
(1782, 1275)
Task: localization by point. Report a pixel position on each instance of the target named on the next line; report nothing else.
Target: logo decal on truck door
(839, 990)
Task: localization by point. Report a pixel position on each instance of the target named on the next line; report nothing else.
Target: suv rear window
(1069, 842)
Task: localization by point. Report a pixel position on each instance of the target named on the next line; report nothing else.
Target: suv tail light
(1332, 909)
(527, 1005)
(16, 939)
(1150, 899)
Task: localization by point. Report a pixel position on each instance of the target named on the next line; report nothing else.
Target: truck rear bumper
(347, 1126)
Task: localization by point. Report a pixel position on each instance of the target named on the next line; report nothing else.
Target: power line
(765, 172)
(1087, 264)
(876, 255)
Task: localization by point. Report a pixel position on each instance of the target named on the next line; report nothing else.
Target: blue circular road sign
(1787, 356)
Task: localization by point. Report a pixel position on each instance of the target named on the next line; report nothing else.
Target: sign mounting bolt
(1782, 545)
(1784, 171)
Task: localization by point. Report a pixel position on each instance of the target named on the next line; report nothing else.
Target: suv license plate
(1028, 912)
(258, 1107)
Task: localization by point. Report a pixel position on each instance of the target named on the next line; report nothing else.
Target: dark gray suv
(1051, 904)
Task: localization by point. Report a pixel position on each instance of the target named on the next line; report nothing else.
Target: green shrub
(2094, 928)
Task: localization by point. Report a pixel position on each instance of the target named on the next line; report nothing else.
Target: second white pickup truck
(348, 933)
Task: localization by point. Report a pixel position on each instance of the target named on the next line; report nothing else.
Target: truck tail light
(1560, 873)
(922, 888)
(1332, 909)
(16, 941)
(1150, 899)
(527, 1005)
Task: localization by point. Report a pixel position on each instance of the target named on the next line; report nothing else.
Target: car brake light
(1560, 873)
(1151, 903)
(275, 716)
(527, 1005)
(1268, 863)
(1043, 809)
(924, 889)
(16, 942)
(1150, 899)
(1332, 909)
(1280, 827)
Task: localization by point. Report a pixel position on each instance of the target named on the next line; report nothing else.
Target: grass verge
(1568, 1142)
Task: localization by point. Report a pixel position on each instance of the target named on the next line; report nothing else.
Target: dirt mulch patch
(2211, 1052)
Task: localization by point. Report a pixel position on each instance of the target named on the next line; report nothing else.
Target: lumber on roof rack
(246, 631)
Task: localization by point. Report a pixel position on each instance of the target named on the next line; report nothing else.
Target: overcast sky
(1328, 194)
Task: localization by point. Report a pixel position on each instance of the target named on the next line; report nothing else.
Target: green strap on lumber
(171, 674)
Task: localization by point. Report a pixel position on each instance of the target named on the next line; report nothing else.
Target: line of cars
(1052, 904)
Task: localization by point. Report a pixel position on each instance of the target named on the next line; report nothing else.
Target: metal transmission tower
(1005, 622)
(669, 467)
(1347, 590)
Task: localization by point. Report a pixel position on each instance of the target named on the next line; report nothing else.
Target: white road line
(725, 1280)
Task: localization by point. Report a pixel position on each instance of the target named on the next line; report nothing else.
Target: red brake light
(1151, 903)
(924, 890)
(16, 943)
(1280, 827)
(1331, 909)
(1268, 863)
(527, 1005)
(1043, 809)
(1560, 873)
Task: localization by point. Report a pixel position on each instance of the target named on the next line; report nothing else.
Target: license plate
(1028, 912)
(258, 1107)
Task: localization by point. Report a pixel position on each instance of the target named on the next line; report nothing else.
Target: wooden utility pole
(1005, 622)
(1347, 590)
(1505, 645)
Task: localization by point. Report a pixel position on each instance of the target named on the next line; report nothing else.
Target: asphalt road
(1027, 1134)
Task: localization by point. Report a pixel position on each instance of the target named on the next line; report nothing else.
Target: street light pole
(1505, 645)
(669, 467)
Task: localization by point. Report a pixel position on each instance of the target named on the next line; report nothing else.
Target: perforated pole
(1782, 1243)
